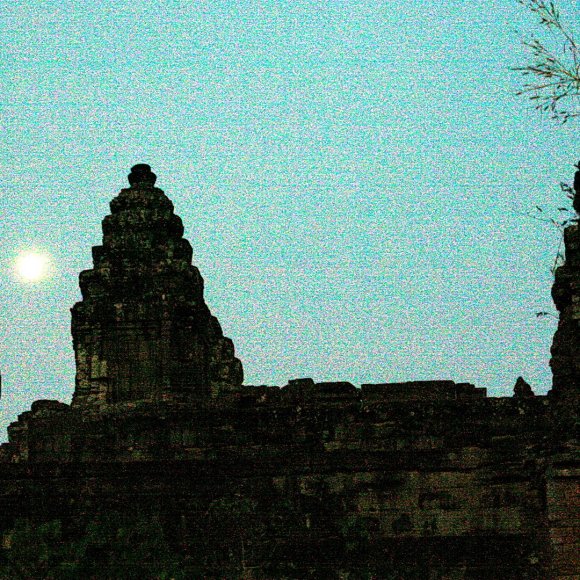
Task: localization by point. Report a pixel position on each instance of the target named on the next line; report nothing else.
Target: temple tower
(565, 360)
(142, 330)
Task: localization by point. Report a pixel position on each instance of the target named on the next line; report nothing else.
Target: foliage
(113, 546)
(554, 73)
(224, 538)
(566, 217)
(32, 551)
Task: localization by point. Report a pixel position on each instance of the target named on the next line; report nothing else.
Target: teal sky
(350, 175)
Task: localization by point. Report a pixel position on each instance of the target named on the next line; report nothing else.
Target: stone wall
(342, 482)
(143, 330)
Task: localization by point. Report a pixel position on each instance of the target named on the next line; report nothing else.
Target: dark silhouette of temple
(164, 450)
(143, 330)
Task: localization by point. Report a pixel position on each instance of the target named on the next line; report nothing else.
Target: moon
(33, 266)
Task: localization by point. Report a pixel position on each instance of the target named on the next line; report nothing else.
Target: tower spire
(142, 330)
(142, 174)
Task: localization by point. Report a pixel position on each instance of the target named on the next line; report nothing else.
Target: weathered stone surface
(457, 487)
(425, 479)
(143, 330)
(565, 360)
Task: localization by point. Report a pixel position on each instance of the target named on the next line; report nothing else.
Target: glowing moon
(32, 266)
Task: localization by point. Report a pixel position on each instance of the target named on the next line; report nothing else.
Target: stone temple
(166, 465)
(143, 330)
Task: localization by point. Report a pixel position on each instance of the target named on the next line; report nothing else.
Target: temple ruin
(428, 479)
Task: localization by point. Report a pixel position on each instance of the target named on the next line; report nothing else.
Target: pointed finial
(141, 173)
(522, 389)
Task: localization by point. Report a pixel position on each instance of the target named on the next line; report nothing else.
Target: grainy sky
(350, 174)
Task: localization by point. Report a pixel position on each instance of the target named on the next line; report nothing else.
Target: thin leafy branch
(553, 77)
(567, 216)
(544, 314)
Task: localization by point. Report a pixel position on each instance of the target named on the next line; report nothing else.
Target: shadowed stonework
(143, 330)
(565, 361)
(165, 464)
